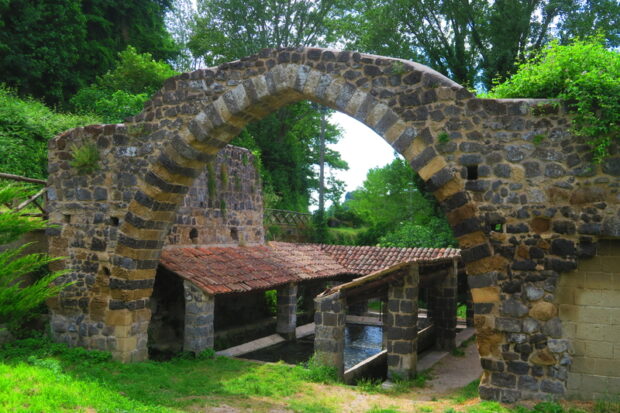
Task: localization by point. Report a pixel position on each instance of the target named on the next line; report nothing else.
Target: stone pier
(287, 311)
(442, 309)
(199, 309)
(329, 319)
(401, 325)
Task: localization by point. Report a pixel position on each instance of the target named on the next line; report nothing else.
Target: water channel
(361, 342)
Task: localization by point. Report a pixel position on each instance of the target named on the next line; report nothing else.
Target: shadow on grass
(108, 385)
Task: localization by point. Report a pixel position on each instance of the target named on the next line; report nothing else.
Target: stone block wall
(330, 320)
(401, 326)
(224, 206)
(589, 307)
(199, 314)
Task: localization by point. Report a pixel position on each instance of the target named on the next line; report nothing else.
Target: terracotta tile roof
(365, 260)
(221, 270)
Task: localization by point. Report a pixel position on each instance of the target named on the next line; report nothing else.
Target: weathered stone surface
(543, 311)
(543, 358)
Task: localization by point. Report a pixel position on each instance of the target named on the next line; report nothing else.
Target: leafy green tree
(585, 75)
(231, 29)
(287, 139)
(473, 42)
(393, 203)
(18, 299)
(50, 49)
(123, 91)
(26, 125)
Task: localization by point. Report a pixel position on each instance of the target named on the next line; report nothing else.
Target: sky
(361, 148)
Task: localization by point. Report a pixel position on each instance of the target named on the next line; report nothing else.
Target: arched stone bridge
(518, 189)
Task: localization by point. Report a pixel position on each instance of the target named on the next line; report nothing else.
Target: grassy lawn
(39, 376)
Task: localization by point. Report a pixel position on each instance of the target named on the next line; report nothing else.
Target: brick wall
(589, 303)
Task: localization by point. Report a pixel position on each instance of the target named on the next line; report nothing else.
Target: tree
(50, 49)
(475, 41)
(123, 91)
(393, 203)
(179, 23)
(287, 139)
(17, 299)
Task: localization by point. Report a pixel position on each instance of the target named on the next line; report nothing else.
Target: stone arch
(436, 124)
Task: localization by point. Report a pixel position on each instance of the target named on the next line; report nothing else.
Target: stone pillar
(401, 325)
(287, 311)
(444, 310)
(330, 319)
(199, 308)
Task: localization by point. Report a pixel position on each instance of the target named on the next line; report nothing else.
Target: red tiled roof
(365, 260)
(220, 270)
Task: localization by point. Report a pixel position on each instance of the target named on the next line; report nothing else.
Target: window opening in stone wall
(193, 235)
(234, 234)
(114, 221)
(472, 172)
(67, 218)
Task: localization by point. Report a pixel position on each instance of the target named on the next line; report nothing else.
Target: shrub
(436, 233)
(17, 300)
(583, 74)
(123, 91)
(85, 158)
(26, 125)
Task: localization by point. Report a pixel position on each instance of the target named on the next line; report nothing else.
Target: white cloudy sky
(361, 148)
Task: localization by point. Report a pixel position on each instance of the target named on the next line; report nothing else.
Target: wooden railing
(37, 200)
(282, 217)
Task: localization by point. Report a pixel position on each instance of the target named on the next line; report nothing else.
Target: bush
(25, 128)
(583, 74)
(17, 300)
(123, 91)
(436, 233)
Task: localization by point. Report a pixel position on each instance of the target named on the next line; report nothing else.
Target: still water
(361, 342)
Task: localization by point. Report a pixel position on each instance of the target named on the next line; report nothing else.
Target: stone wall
(518, 189)
(223, 207)
(589, 307)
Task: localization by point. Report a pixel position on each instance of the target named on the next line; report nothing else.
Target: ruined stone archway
(507, 199)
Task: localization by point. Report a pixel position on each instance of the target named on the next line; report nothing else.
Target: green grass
(468, 392)
(39, 376)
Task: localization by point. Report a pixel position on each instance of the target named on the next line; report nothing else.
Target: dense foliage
(475, 42)
(17, 298)
(583, 74)
(50, 49)
(25, 127)
(392, 203)
(122, 91)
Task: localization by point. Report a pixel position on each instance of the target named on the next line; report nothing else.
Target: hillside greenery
(26, 125)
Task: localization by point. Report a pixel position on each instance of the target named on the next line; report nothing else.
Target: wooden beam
(22, 179)
(30, 200)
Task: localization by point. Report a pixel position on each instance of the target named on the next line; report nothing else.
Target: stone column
(329, 319)
(401, 325)
(444, 310)
(287, 311)
(199, 309)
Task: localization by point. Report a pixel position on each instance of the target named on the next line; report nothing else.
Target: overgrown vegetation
(19, 297)
(26, 125)
(122, 91)
(85, 158)
(586, 77)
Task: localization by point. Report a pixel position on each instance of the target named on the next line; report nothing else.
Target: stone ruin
(537, 223)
